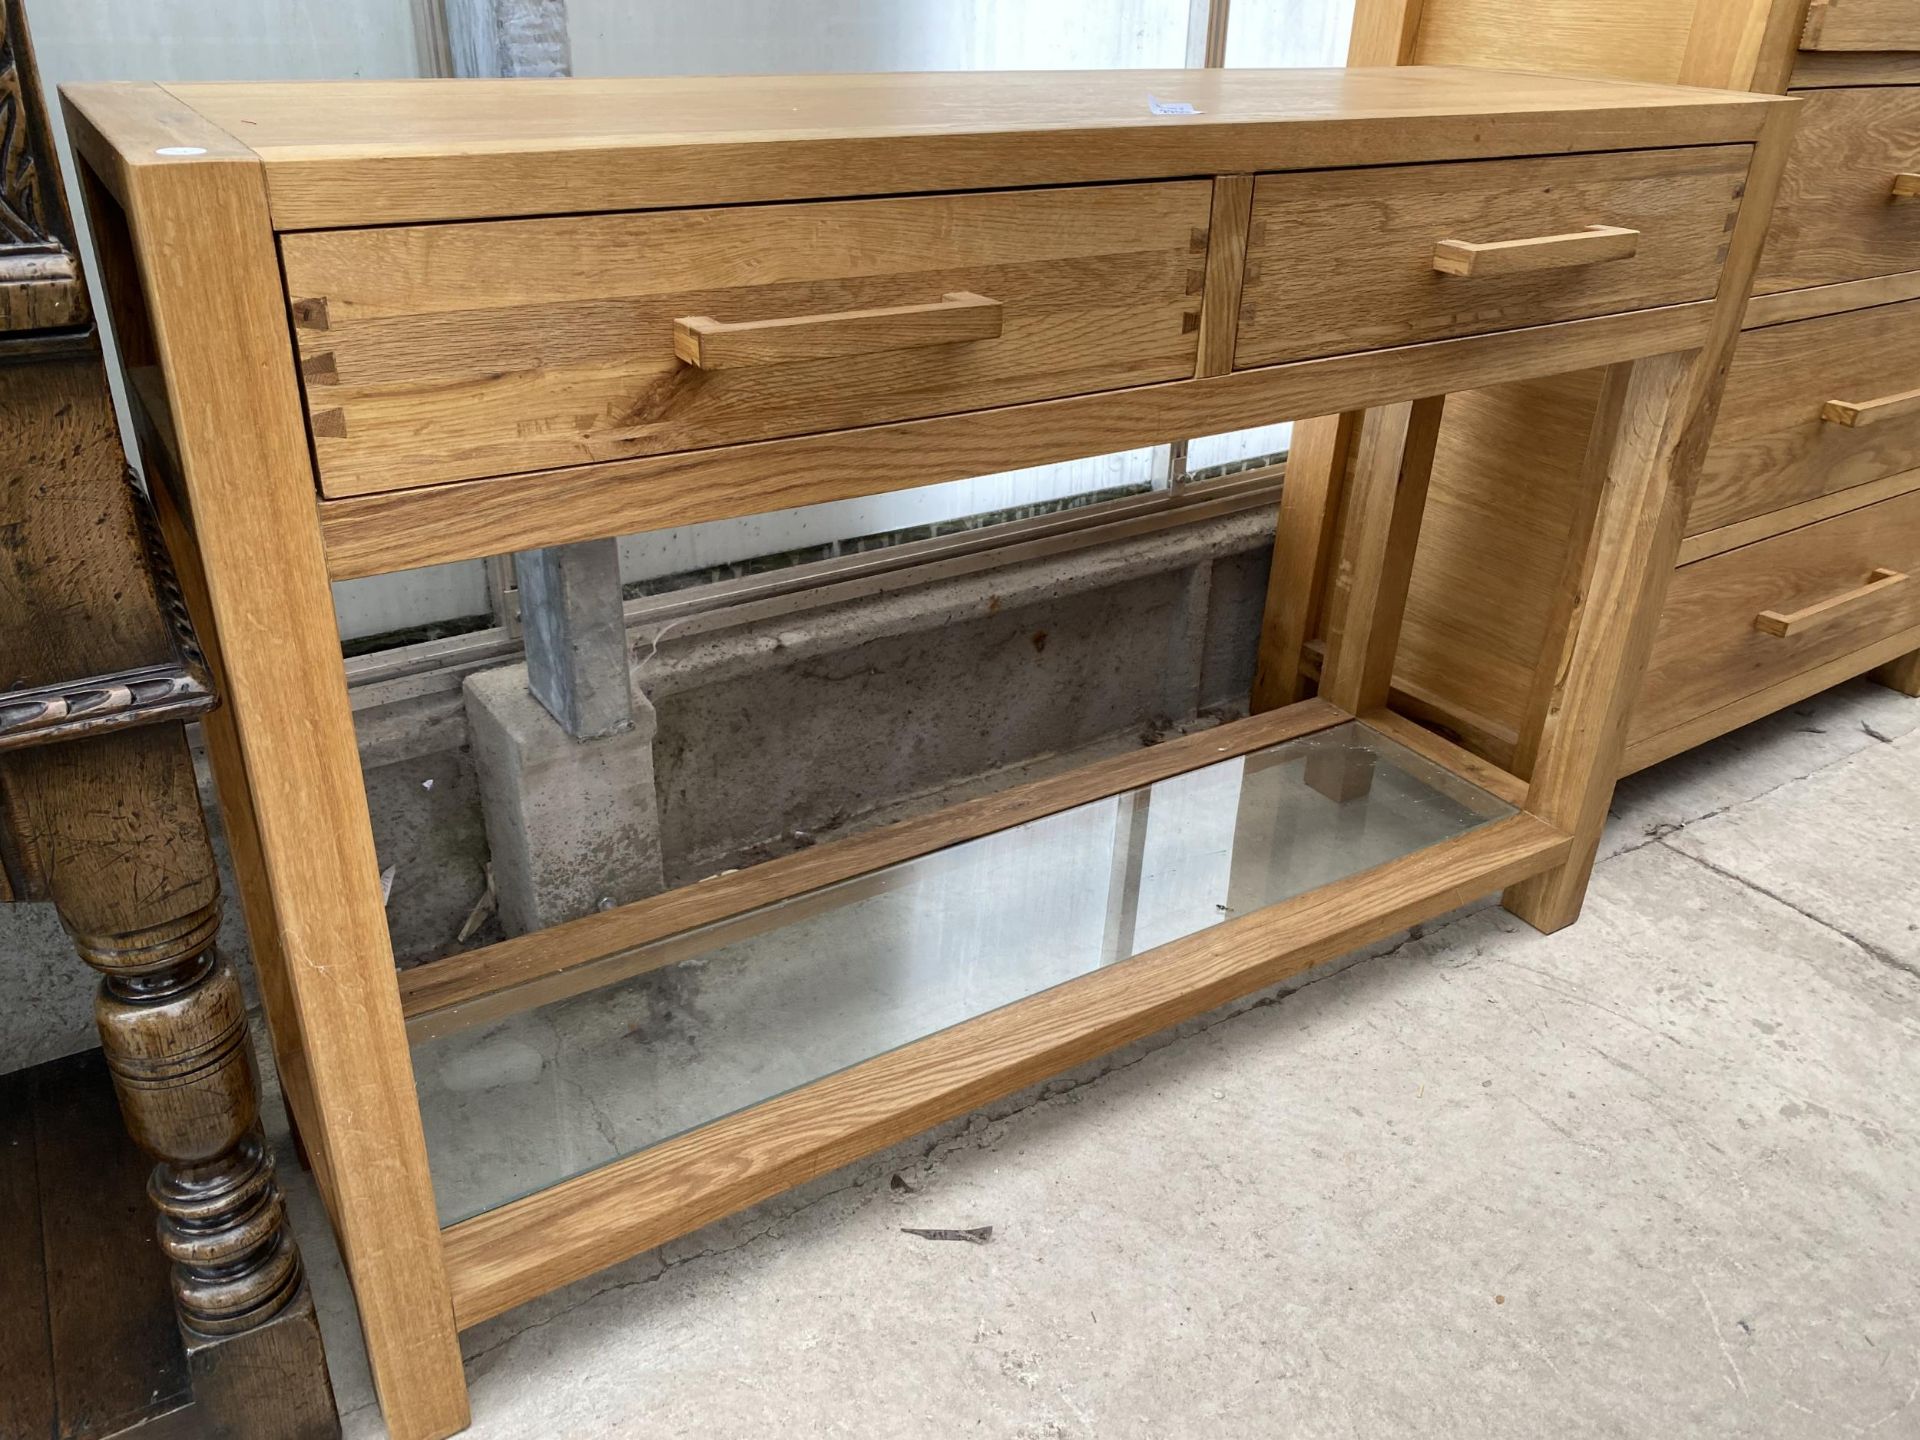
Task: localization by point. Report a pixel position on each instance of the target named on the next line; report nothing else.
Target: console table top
(381, 152)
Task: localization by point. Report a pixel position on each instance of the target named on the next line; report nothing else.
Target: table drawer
(1824, 585)
(1862, 25)
(1344, 260)
(1838, 216)
(1812, 407)
(442, 352)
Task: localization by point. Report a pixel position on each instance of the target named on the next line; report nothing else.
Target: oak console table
(378, 326)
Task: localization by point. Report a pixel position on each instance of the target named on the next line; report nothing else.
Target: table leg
(1311, 498)
(1650, 434)
(1386, 499)
(200, 239)
(1609, 608)
(1902, 674)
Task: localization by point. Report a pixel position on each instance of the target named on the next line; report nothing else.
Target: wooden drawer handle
(1855, 413)
(1542, 252)
(717, 345)
(1798, 622)
(1906, 185)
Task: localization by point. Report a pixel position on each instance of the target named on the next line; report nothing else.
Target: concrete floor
(1656, 1174)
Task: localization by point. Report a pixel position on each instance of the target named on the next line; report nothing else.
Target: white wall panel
(1238, 445)
(1278, 33)
(769, 37)
(226, 40)
(407, 598)
(723, 542)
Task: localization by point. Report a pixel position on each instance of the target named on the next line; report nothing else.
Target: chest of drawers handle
(1855, 413)
(1540, 252)
(1906, 185)
(1787, 624)
(713, 344)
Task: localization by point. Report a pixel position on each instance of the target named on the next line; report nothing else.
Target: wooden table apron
(191, 191)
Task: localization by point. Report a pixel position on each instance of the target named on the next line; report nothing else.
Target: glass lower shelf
(755, 1007)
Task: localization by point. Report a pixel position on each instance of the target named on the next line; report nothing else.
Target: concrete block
(572, 824)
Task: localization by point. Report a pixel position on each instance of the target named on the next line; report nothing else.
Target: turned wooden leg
(173, 1026)
(116, 832)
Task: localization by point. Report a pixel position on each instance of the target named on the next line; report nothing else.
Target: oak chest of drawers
(1799, 508)
(368, 327)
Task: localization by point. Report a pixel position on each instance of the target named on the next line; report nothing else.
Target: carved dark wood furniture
(100, 815)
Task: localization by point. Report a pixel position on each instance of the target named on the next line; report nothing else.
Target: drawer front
(1862, 25)
(443, 352)
(1812, 407)
(1837, 216)
(1712, 647)
(1344, 260)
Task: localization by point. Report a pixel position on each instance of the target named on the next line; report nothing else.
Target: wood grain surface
(1902, 674)
(61, 461)
(1607, 605)
(1306, 536)
(1837, 219)
(504, 332)
(956, 318)
(29, 1405)
(1772, 447)
(445, 352)
(1343, 260)
(1386, 499)
(1709, 652)
(1226, 273)
(1792, 517)
(1891, 654)
(1502, 502)
(1577, 39)
(1725, 44)
(1785, 305)
(372, 534)
(1861, 25)
(1817, 70)
(387, 152)
(116, 1341)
